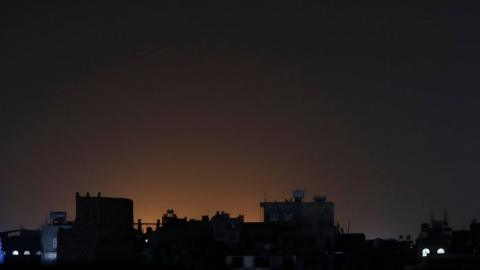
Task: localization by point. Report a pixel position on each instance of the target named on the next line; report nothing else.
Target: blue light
(2, 254)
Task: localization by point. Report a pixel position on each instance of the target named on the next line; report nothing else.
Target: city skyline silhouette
(206, 106)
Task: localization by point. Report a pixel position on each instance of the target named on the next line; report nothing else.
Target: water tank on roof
(58, 217)
(298, 195)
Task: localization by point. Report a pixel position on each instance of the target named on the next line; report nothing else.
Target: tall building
(295, 234)
(49, 242)
(102, 231)
(435, 238)
(313, 220)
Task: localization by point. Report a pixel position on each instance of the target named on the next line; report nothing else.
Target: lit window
(26, 253)
(49, 257)
(425, 252)
(38, 253)
(440, 251)
(15, 253)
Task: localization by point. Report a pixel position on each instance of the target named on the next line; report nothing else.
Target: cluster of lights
(426, 252)
(25, 253)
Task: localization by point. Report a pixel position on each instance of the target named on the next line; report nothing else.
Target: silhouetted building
(461, 242)
(102, 232)
(313, 221)
(188, 244)
(295, 234)
(226, 229)
(20, 246)
(475, 233)
(441, 248)
(435, 238)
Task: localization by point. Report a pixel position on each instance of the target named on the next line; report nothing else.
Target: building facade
(314, 221)
(49, 233)
(435, 238)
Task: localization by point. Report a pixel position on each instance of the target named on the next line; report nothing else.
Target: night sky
(203, 106)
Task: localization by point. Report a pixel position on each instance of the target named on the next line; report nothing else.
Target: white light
(50, 255)
(38, 253)
(440, 251)
(146, 240)
(425, 252)
(49, 258)
(26, 253)
(54, 243)
(15, 253)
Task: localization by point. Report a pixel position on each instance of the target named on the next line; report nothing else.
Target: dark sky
(203, 106)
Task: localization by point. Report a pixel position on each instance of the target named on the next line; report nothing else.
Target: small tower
(298, 195)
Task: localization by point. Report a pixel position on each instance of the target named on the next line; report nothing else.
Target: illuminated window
(425, 252)
(26, 253)
(15, 253)
(38, 253)
(54, 243)
(440, 251)
(49, 257)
